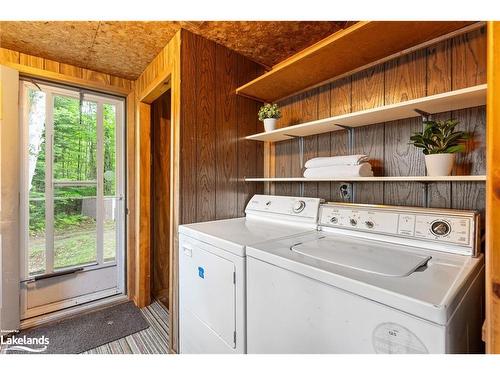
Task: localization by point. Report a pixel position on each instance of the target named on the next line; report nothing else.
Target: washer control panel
(450, 227)
(280, 205)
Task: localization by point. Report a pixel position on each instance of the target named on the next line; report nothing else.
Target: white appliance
(372, 279)
(212, 276)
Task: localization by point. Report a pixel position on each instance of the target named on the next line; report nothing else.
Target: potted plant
(269, 113)
(440, 142)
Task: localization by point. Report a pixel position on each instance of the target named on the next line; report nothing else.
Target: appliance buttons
(299, 206)
(369, 224)
(353, 222)
(440, 228)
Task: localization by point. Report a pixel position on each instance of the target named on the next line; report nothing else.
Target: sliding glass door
(73, 197)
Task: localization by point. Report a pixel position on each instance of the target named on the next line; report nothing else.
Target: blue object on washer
(201, 272)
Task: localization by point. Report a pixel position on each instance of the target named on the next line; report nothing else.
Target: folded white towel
(335, 171)
(336, 160)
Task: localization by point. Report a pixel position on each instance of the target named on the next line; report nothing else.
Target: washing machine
(212, 269)
(372, 279)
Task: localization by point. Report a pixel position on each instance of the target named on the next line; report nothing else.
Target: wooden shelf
(448, 101)
(368, 179)
(342, 52)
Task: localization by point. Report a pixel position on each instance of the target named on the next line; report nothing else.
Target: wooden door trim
(143, 226)
(493, 190)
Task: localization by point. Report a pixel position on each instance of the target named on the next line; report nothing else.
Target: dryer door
(207, 299)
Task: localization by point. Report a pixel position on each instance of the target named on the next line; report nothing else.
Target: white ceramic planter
(269, 124)
(439, 164)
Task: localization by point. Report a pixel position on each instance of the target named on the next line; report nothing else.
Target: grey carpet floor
(152, 340)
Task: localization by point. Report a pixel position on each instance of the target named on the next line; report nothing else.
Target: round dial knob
(268, 203)
(440, 228)
(353, 222)
(369, 224)
(334, 220)
(299, 206)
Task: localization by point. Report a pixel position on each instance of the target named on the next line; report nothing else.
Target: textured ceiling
(124, 48)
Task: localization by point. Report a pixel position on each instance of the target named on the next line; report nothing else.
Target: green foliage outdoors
(269, 111)
(75, 159)
(74, 155)
(440, 137)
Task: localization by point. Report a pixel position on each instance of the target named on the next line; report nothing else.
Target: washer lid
(374, 258)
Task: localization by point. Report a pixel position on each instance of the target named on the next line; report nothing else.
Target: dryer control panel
(282, 207)
(416, 225)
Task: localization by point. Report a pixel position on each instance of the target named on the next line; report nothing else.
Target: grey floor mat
(87, 331)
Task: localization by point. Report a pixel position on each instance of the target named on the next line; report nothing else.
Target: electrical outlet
(345, 191)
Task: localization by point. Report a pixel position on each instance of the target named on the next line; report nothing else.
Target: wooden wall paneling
(206, 141)
(469, 68)
(469, 195)
(189, 105)
(226, 133)
(402, 159)
(368, 92)
(283, 151)
(307, 108)
(493, 193)
(143, 276)
(7, 55)
(71, 70)
(405, 79)
(259, 188)
(32, 61)
(247, 150)
(340, 103)
(52, 66)
(439, 72)
(160, 197)
(50, 70)
(324, 140)
(469, 59)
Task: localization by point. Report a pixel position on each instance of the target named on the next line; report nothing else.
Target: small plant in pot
(440, 142)
(269, 114)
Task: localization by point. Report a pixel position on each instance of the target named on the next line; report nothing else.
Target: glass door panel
(75, 226)
(111, 202)
(35, 113)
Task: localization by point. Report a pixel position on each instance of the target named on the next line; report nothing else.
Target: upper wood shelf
(371, 179)
(342, 52)
(448, 101)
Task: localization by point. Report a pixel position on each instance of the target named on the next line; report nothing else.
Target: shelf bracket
(426, 116)
(350, 137)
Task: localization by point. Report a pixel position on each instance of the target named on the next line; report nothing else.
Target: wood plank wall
(65, 73)
(215, 157)
(449, 65)
(160, 197)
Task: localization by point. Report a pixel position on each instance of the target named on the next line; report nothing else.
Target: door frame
(120, 259)
(492, 327)
(166, 78)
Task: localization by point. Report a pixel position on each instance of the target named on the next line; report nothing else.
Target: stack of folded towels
(338, 166)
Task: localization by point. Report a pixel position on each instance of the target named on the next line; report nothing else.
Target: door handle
(51, 275)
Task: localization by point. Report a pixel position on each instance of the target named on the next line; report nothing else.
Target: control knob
(440, 228)
(334, 220)
(353, 222)
(369, 224)
(299, 206)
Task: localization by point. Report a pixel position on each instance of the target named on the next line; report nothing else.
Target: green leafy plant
(269, 111)
(440, 137)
